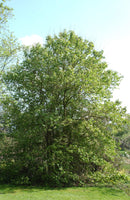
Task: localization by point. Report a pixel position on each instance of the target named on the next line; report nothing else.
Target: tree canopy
(61, 118)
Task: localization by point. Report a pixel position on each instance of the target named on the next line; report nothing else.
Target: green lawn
(35, 193)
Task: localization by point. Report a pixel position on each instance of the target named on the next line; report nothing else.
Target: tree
(9, 46)
(8, 43)
(5, 13)
(8, 55)
(123, 136)
(60, 114)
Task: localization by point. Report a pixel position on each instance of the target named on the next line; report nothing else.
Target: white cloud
(117, 53)
(31, 40)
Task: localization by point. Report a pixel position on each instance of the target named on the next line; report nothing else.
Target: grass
(38, 193)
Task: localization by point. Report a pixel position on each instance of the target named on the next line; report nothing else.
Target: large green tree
(62, 120)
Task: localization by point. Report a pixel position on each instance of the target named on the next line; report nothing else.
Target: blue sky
(105, 22)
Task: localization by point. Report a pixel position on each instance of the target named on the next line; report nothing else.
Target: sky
(104, 22)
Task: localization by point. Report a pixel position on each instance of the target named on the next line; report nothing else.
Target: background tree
(8, 56)
(61, 118)
(8, 43)
(123, 136)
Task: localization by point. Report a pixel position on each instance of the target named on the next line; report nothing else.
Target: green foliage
(61, 118)
(8, 43)
(123, 136)
(5, 14)
(8, 51)
(9, 48)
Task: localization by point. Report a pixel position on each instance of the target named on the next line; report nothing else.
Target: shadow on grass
(105, 191)
(5, 189)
